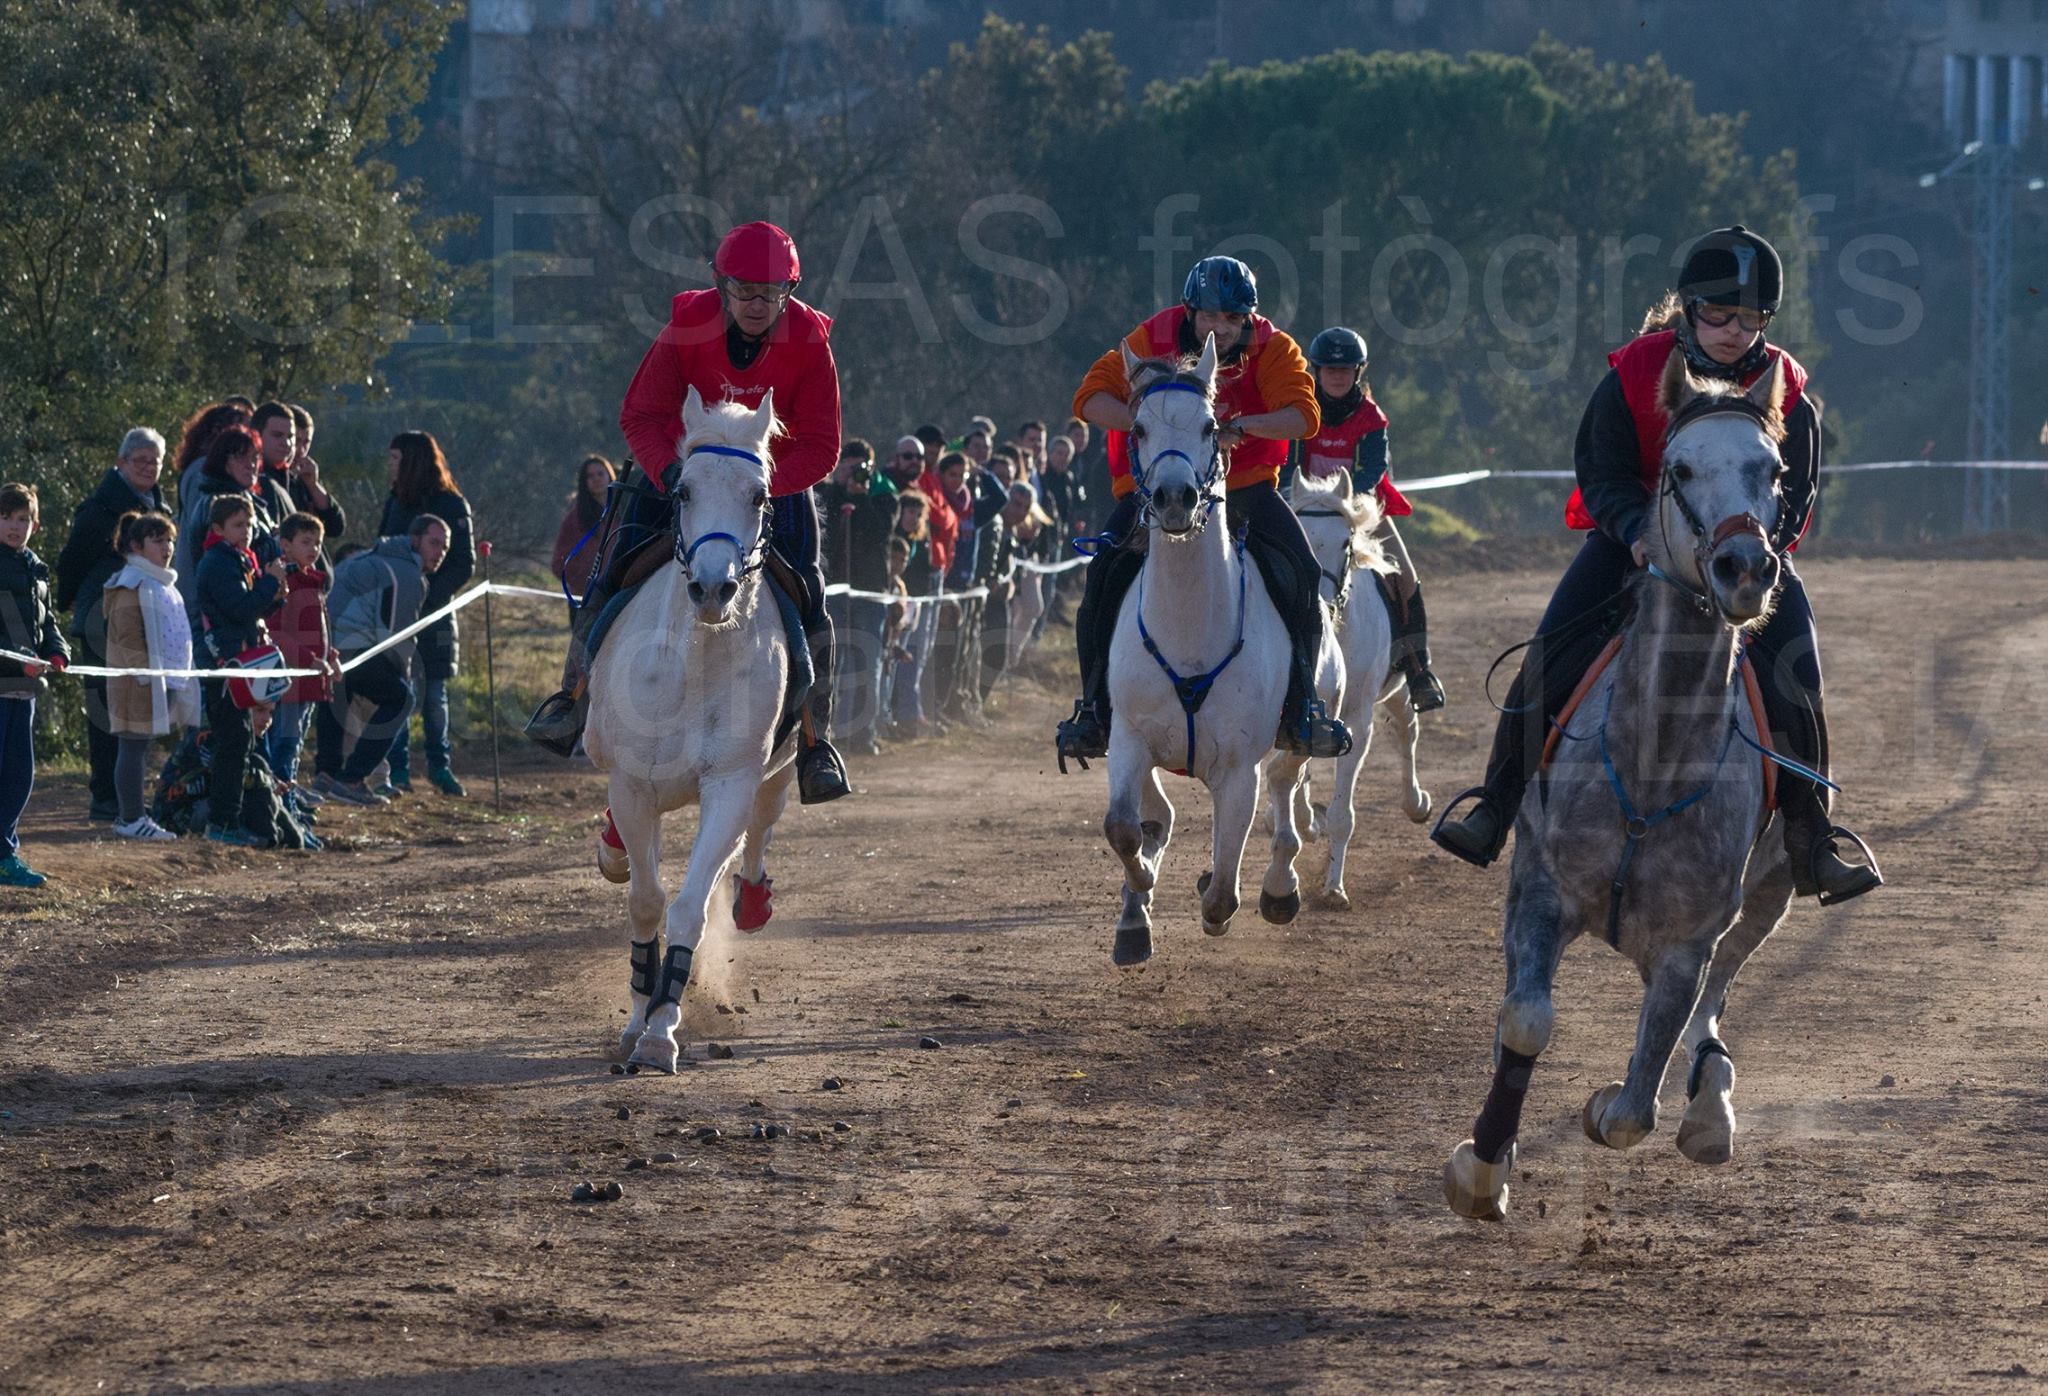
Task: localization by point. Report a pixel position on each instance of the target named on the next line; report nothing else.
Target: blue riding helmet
(1221, 283)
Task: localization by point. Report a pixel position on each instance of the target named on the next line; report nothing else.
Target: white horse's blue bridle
(752, 555)
(1209, 478)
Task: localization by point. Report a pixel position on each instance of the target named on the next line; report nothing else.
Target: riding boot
(820, 773)
(1818, 869)
(1306, 727)
(557, 724)
(642, 515)
(1410, 654)
(1085, 736)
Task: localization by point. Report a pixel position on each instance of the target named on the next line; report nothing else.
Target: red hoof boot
(752, 907)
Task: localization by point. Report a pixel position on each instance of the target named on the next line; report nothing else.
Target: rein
(753, 556)
(1193, 691)
(1339, 581)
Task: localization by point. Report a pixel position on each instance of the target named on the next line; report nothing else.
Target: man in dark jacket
(83, 567)
(857, 511)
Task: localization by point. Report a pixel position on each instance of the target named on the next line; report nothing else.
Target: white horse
(685, 697)
(1340, 524)
(1198, 666)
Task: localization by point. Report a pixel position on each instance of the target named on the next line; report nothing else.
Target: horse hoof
(1216, 928)
(1132, 948)
(1706, 1141)
(1420, 814)
(1336, 899)
(612, 863)
(1622, 1134)
(753, 903)
(1280, 910)
(1202, 883)
(655, 1056)
(1476, 1189)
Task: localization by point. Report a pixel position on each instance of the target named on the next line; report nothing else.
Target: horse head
(1339, 522)
(1174, 458)
(1720, 487)
(721, 500)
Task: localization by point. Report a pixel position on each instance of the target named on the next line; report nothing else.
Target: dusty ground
(312, 1125)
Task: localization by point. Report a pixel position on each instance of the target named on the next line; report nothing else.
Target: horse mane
(727, 424)
(1361, 511)
(1150, 373)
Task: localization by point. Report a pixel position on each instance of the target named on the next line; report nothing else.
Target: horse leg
(1138, 823)
(1706, 1134)
(1476, 1177)
(724, 809)
(1235, 794)
(1623, 1114)
(638, 818)
(1340, 821)
(1280, 893)
(751, 893)
(1415, 801)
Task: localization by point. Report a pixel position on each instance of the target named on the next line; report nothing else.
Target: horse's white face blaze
(1729, 470)
(1329, 531)
(1172, 439)
(722, 494)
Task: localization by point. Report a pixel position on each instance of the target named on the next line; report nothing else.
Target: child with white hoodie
(146, 629)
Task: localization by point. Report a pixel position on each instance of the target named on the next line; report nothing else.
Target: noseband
(752, 555)
(1706, 542)
(1147, 514)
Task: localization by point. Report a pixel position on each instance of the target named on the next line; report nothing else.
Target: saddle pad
(1749, 684)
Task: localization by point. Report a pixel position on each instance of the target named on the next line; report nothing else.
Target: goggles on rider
(1717, 316)
(774, 292)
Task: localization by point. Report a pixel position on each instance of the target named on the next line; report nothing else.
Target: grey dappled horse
(1648, 828)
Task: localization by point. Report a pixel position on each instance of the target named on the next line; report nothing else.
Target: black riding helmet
(1733, 266)
(1337, 347)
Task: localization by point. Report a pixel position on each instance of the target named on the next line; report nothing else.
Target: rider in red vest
(1727, 293)
(1264, 399)
(1353, 439)
(732, 344)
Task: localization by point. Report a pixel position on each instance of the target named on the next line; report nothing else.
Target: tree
(191, 204)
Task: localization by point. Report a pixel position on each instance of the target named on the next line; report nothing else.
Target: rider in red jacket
(1728, 290)
(732, 344)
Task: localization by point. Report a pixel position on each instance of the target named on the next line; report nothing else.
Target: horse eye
(1681, 473)
(1137, 432)
(682, 494)
(1209, 427)
(760, 499)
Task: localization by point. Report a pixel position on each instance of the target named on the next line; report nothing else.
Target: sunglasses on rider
(774, 292)
(1718, 316)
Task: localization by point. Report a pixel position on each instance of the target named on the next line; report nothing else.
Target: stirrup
(557, 724)
(1082, 737)
(1425, 691)
(820, 774)
(1316, 734)
(1820, 846)
(1476, 857)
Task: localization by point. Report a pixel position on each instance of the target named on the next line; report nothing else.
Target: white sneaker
(146, 830)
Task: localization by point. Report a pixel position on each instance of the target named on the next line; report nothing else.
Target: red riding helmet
(757, 252)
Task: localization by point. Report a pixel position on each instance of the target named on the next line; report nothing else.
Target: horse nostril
(727, 592)
(697, 593)
(1727, 570)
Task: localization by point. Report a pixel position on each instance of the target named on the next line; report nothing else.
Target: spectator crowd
(228, 552)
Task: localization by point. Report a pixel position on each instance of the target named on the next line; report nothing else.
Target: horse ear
(1131, 361)
(764, 415)
(1676, 388)
(693, 412)
(1205, 367)
(1769, 393)
(1341, 484)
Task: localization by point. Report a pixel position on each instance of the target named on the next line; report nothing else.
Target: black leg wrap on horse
(646, 957)
(675, 975)
(1710, 1047)
(1500, 1119)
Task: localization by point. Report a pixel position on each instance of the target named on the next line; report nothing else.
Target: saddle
(1750, 686)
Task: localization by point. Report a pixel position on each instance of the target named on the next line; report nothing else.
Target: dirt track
(317, 1131)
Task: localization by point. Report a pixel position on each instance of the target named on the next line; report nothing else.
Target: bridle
(1340, 580)
(1208, 479)
(752, 555)
(1707, 541)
